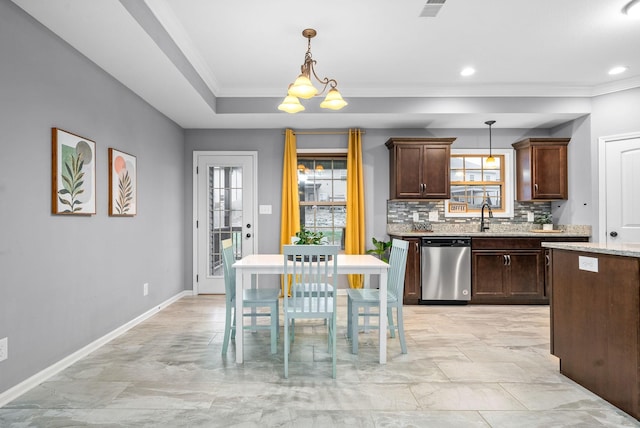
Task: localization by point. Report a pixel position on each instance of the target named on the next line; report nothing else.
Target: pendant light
(490, 162)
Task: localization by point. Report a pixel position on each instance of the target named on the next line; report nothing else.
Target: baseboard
(16, 391)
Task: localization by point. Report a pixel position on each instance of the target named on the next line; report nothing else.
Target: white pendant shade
(291, 104)
(333, 100)
(490, 162)
(302, 88)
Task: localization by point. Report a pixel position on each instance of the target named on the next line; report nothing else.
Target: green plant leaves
(125, 193)
(72, 181)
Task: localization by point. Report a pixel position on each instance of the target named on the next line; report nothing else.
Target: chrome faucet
(484, 226)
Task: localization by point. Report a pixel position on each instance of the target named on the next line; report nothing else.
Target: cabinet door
(435, 172)
(489, 275)
(526, 274)
(408, 171)
(412, 286)
(549, 164)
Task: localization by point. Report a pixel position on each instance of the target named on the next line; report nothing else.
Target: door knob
(248, 225)
(248, 235)
(613, 234)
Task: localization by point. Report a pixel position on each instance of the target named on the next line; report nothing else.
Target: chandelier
(303, 88)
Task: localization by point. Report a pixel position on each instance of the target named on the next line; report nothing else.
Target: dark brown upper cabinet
(419, 167)
(541, 169)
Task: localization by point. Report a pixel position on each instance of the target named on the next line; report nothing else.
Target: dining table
(250, 266)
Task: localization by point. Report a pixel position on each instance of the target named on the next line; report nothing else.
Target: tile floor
(467, 366)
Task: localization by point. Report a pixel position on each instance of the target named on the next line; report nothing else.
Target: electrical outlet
(529, 216)
(433, 215)
(145, 289)
(416, 217)
(4, 348)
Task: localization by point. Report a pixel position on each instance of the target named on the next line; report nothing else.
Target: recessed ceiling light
(467, 71)
(632, 9)
(617, 70)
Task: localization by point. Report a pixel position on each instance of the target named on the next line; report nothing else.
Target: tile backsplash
(401, 212)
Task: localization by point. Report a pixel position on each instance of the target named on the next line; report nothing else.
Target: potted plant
(545, 220)
(381, 249)
(309, 237)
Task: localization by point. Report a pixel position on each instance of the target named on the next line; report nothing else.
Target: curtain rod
(321, 132)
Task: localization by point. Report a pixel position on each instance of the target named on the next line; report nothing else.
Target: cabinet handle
(535, 187)
(504, 259)
(547, 259)
(508, 260)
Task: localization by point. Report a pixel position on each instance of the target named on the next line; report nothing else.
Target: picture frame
(73, 171)
(123, 184)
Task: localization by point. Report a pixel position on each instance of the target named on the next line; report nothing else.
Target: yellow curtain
(290, 214)
(354, 239)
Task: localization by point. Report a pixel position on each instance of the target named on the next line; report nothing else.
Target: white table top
(353, 263)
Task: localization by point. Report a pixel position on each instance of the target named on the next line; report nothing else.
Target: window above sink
(472, 181)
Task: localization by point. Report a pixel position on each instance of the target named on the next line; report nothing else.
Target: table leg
(383, 317)
(239, 317)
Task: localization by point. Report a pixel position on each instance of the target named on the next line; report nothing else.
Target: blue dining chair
(313, 270)
(252, 298)
(370, 298)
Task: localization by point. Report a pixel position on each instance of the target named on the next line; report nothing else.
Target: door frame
(602, 180)
(194, 220)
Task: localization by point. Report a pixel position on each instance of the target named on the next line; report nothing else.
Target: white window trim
(509, 181)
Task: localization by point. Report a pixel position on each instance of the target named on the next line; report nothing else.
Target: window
(473, 182)
(322, 187)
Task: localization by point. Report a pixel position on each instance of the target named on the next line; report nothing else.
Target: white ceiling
(227, 64)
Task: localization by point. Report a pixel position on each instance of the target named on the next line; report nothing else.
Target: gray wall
(66, 281)
(613, 114)
(578, 209)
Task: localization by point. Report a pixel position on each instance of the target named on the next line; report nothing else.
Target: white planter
(547, 227)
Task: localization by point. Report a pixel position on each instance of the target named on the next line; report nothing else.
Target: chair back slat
(397, 267)
(313, 270)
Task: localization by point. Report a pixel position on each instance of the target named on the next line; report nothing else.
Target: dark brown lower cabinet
(595, 325)
(511, 270)
(412, 290)
(510, 276)
(503, 270)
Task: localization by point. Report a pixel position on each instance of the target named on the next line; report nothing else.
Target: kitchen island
(595, 318)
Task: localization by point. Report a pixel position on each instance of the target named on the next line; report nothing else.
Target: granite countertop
(630, 249)
(520, 230)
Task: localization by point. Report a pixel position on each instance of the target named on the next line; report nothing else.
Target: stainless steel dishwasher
(445, 270)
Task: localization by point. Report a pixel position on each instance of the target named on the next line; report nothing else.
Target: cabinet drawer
(505, 243)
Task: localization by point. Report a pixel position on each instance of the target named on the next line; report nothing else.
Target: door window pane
(225, 213)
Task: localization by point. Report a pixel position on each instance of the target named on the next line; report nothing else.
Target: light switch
(416, 217)
(433, 215)
(264, 209)
(529, 216)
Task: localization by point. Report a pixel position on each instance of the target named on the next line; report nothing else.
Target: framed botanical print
(123, 185)
(73, 170)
